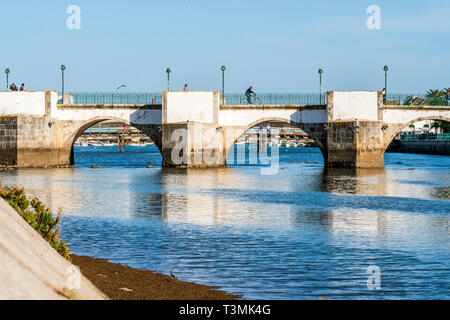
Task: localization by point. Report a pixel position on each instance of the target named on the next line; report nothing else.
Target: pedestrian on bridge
(186, 87)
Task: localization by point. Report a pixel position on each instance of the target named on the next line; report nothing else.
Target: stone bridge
(353, 129)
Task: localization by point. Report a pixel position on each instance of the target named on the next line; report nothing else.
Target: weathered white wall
(27, 102)
(361, 105)
(406, 114)
(244, 116)
(202, 106)
(138, 116)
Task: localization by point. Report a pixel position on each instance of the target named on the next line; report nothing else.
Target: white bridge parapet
(244, 115)
(38, 103)
(411, 114)
(361, 105)
(136, 114)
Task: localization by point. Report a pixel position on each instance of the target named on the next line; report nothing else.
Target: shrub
(37, 216)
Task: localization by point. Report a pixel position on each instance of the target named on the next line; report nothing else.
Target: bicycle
(253, 100)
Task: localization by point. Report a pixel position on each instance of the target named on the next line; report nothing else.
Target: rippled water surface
(304, 233)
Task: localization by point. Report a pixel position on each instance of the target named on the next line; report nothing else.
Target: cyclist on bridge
(249, 94)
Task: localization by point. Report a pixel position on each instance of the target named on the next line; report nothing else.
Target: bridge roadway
(193, 129)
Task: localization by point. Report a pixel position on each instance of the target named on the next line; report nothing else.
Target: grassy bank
(37, 215)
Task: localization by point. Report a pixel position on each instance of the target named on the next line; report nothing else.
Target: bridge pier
(355, 144)
(32, 141)
(192, 144)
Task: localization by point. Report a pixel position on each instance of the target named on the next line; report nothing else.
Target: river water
(305, 233)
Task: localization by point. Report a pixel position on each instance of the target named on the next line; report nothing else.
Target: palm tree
(435, 97)
(443, 125)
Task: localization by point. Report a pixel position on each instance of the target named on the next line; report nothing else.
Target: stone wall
(423, 147)
(355, 144)
(8, 141)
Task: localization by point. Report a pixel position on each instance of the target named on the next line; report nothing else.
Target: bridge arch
(315, 131)
(398, 128)
(79, 127)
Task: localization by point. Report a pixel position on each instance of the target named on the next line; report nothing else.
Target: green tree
(435, 98)
(445, 126)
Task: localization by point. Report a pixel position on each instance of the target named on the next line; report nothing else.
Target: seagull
(172, 275)
(122, 86)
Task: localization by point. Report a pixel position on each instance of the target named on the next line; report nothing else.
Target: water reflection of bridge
(337, 201)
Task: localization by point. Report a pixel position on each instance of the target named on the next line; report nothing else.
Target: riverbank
(124, 283)
(434, 147)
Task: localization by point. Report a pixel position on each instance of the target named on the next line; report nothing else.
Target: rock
(97, 167)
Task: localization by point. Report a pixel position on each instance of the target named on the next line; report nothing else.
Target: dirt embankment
(124, 283)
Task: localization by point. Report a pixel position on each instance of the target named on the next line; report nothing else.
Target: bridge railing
(402, 99)
(415, 99)
(116, 98)
(276, 99)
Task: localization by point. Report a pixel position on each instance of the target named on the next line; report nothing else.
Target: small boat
(95, 144)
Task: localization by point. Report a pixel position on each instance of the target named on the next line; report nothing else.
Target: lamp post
(223, 68)
(63, 67)
(386, 69)
(7, 71)
(168, 71)
(320, 75)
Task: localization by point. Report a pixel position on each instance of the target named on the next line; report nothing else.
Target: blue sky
(276, 46)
